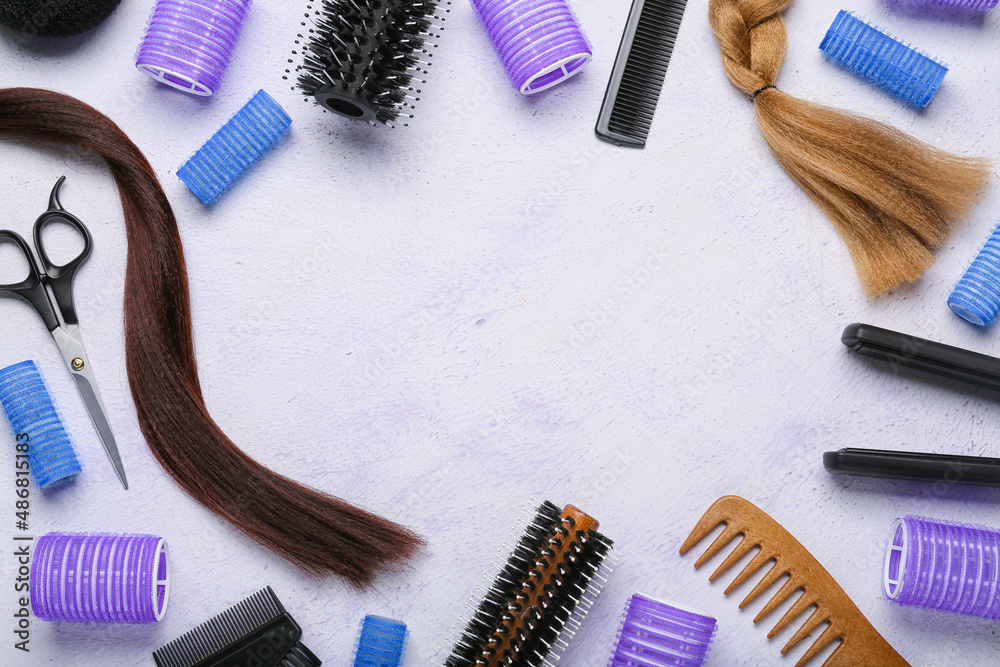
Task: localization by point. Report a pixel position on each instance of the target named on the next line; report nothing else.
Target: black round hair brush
(54, 18)
(362, 59)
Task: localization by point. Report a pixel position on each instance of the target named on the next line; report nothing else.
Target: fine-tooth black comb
(640, 67)
(257, 631)
(860, 643)
(546, 587)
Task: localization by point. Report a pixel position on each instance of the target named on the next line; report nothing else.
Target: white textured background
(443, 321)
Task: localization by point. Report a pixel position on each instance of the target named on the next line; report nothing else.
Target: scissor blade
(68, 339)
(93, 402)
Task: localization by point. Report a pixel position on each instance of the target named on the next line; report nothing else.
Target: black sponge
(54, 18)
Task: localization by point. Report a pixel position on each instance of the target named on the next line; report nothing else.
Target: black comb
(641, 66)
(257, 631)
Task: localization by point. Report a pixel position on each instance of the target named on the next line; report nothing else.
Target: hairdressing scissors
(36, 288)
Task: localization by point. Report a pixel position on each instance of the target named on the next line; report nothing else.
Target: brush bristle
(494, 603)
(551, 556)
(364, 59)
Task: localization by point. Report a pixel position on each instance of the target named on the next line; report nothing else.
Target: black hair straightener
(912, 352)
(914, 466)
(942, 360)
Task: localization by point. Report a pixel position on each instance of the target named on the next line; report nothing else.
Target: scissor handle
(31, 289)
(60, 277)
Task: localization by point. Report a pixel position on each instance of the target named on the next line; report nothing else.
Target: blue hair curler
(976, 297)
(381, 642)
(34, 420)
(231, 151)
(883, 60)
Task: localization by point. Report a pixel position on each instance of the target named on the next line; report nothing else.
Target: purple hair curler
(943, 565)
(978, 5)
(540, 42)
(188, 43)
(100, 578)
(656, 634)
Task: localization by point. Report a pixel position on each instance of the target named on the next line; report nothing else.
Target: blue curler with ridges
(30, 410)
(241, 142)
(381, 642)
(976, 297)
(883, 60)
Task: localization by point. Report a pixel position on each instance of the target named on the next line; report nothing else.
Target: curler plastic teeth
(100, 578)
(253, 131)
(883, 60)
(657, 634)
(976, 297)
(33, 418)
(188, 43)
(978, 5)
(381, 642)
(943, 565)
(540, 42)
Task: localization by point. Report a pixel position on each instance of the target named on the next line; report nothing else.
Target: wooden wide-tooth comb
(861, 644)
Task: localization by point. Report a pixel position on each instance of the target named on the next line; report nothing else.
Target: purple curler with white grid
(657, 634)
(188, 43)
(100, 578)
(540, 42)
(943, 565)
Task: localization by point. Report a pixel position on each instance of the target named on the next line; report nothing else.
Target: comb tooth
(722, 508)
(722, 540)
(706, 524)
(221, 630)
(272, 602)
(821, 643)
(698, 533)
(755, 564)
(778, 598)
(772, 576)
(814, 620)
(745, 545)
(800, 606)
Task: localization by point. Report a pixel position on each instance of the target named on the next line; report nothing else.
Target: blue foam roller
(381, 642)
(883, 60)
(976, 298)
(253, 131)
(30, 410)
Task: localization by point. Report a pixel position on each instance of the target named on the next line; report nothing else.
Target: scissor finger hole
(14, 267)
(62, 241)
